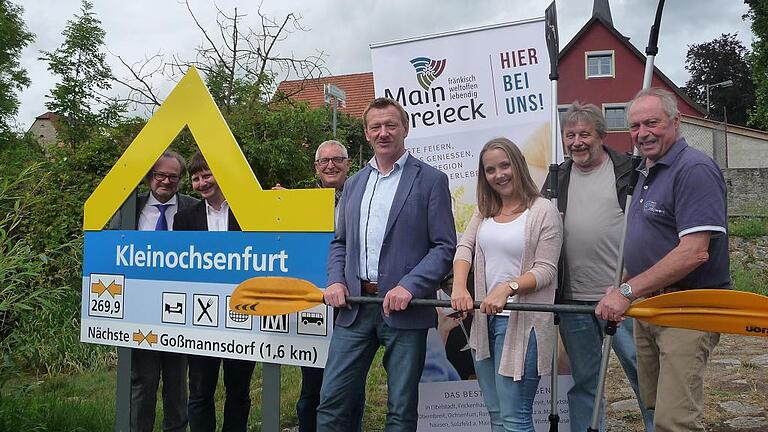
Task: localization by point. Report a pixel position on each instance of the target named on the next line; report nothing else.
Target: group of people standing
(395, 239)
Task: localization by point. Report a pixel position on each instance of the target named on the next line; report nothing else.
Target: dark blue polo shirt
(682, 193)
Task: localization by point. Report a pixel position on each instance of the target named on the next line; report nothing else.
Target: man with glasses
(331, 166)
(155, 211)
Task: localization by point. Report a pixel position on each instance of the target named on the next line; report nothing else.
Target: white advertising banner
(462, 89)
(465, 88)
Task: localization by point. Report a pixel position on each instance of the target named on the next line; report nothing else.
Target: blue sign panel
(169, 291)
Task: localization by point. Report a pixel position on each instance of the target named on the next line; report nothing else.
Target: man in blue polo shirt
(676, 240)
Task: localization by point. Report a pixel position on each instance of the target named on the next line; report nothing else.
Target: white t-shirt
(503, 245)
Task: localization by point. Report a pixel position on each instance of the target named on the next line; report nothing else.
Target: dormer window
(600, 64)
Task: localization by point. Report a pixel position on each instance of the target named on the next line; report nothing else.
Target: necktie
(162, 223)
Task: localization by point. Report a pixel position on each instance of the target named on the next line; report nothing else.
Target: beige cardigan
(543, 239)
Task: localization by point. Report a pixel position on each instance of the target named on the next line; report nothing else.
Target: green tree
(13, 38)
(721, 59)
(241, 64)
(84, 77)
(758, 60)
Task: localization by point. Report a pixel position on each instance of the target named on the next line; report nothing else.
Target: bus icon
(314, 321)
(312, 318)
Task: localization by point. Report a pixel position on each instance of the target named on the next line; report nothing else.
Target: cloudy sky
(344, 29)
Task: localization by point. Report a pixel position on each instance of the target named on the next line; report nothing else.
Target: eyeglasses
(160, 176)
(338, 160)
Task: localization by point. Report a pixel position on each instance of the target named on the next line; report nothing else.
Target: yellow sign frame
(190, 104)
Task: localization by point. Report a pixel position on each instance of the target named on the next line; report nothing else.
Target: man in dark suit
(395, 239)
(214, 214)
(155, 211)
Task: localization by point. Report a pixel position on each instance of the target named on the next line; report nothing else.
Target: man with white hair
(676, 240)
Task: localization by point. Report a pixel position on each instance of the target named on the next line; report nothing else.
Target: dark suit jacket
(183, 201)
(418, 246)
(195, 219)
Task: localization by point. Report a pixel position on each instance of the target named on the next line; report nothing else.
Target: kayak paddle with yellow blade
(716, 310)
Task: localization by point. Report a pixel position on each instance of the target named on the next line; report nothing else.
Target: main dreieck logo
(427, 70)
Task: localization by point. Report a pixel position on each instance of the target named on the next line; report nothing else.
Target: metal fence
(710, 140)
(729, 145)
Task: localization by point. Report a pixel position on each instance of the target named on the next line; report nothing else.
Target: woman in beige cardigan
(513, 243)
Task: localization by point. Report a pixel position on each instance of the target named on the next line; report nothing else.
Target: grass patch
(747, 227)
(752, 280)
(85, 401)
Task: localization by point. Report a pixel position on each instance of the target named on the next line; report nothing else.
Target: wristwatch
(515, 287)
(626, 290)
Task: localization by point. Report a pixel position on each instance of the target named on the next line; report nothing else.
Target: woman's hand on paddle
(496, 299)
(461, 300)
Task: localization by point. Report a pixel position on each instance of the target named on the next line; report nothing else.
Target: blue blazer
(418, 246)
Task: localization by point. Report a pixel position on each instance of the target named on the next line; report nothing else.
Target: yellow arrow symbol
(98, 288)
(150, 337)
(114, 289)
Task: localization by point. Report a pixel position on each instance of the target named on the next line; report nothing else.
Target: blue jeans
(350, 356)
(509, 402)
(583, 339)
(203, 377)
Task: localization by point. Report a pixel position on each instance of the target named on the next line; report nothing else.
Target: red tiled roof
(48, 116)
(358, 87)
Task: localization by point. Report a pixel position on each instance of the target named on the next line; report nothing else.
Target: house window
(615, 116)
(599, 64)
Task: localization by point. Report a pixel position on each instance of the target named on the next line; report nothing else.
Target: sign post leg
(123, 387)
(270, 397)
(123, 390)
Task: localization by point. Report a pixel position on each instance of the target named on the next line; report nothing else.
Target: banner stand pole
(123, 384)
(270, 397)
(553, 47)
(610, 327)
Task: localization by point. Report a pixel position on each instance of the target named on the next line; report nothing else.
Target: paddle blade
(721, 311)
(274, 295)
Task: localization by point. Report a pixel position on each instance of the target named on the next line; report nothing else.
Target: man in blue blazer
(395, 239)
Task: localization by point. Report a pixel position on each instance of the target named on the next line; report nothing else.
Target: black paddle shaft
(534, 307)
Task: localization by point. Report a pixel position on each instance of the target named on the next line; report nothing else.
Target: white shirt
(374, 214)
(150, 213)
(503, 245)
(218, 220)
